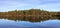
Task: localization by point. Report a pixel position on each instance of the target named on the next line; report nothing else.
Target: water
(5, 23)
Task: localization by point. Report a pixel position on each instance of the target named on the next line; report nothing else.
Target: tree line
(31, 12)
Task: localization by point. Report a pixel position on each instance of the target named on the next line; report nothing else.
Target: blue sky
(49, 5)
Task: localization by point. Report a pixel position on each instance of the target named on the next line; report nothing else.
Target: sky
(49, 5)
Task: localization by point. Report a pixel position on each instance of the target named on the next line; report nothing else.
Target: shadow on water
(36, 19)
(30, 18)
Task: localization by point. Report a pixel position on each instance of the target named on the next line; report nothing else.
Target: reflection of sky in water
(4, 23)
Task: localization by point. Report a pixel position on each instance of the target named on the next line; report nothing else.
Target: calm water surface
(4, 23)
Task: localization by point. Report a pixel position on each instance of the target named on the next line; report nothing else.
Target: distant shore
(30, 13)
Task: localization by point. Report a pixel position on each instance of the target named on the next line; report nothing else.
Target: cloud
(11, 3)
(51, 0)
(22, 4)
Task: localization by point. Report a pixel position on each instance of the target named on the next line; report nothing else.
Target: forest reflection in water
(30, 18)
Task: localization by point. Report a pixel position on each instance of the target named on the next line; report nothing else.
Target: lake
(5, 23)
